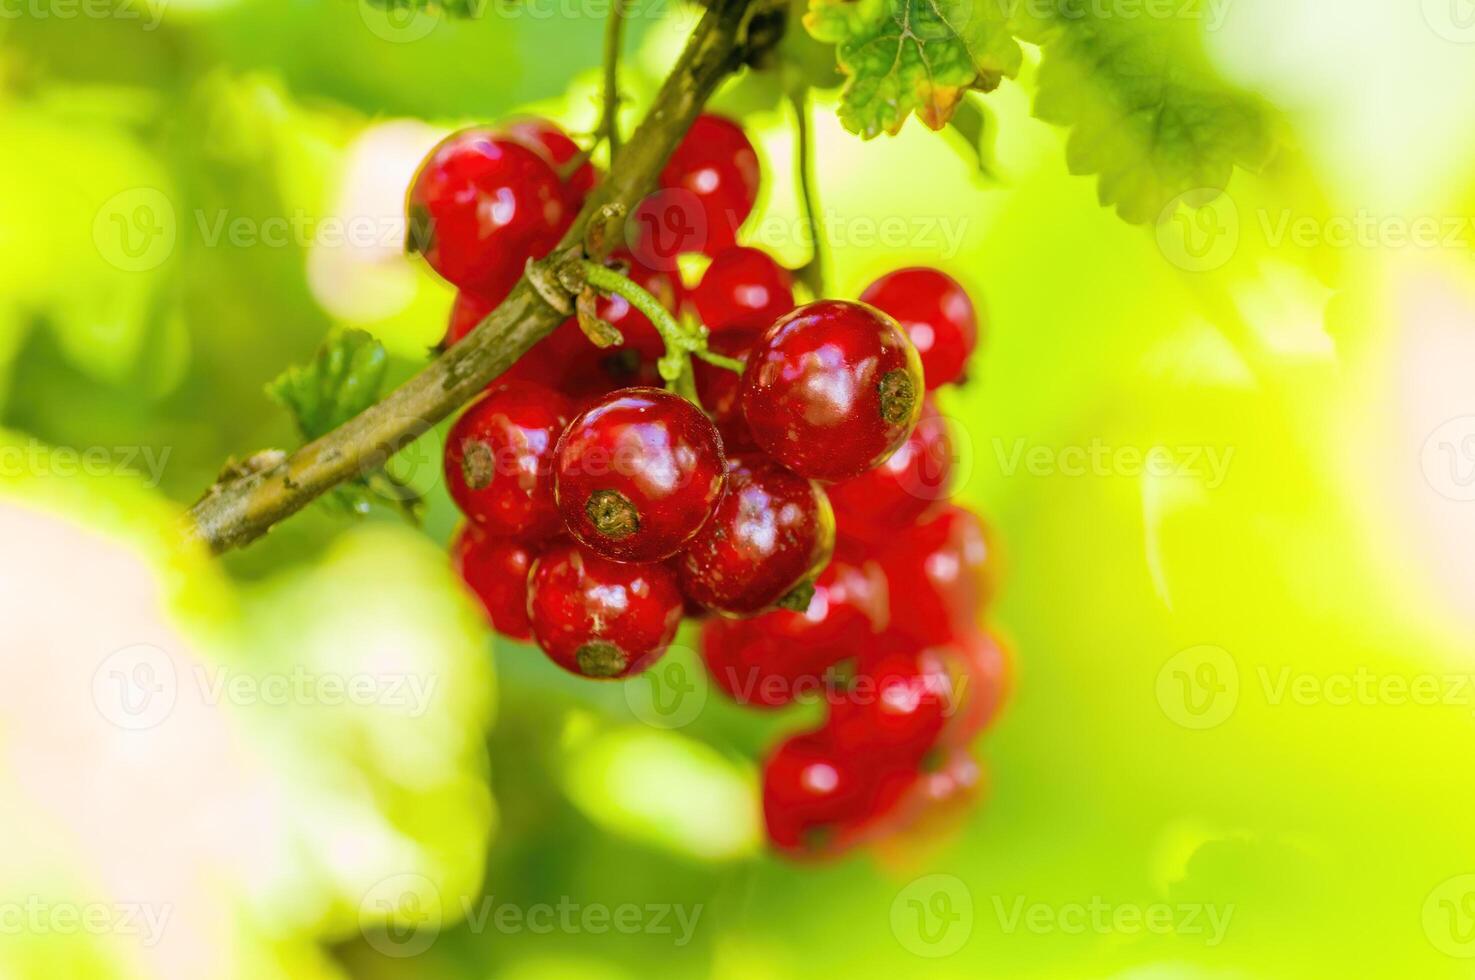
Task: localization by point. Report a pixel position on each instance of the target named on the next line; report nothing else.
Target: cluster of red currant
(800, 509)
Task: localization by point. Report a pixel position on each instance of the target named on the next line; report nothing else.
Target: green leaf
(456, 8)
(342, 380)
(906, 56)
(1147, 112)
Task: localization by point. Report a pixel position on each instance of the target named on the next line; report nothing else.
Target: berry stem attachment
(681, 341)
(812, 273)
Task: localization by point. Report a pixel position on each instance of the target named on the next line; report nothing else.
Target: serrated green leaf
(342, 380)
(1147, 112)
(906, 56)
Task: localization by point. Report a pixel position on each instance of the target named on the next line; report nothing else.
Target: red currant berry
(895, 705)
(638, 474)
(819, 799)
(979, 665)
(496, 571)
(743, 288)
(832, 389)
(481, 206)
(498, 459)
(601, 618)
(718, 388)
(936, 314)
(555, 146)
(848, 609)
(640, 334)
(944, 569)
(771, 535)
(759, 670)
(882, 501)
(716, 163)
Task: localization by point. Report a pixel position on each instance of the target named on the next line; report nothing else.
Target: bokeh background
(1240, 743)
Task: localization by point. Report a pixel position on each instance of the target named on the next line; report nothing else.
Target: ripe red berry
(640, 334)
(718, 388)
(638, 474)
(819, 799)
(944, 568)
(743, 288)
(715, 163)
(483, 204)
(498, 459)
(848, 609)
(496, 571)
(936, 314)
(601, 618)
(979, 665)
(832, 389)
(880, 502)
(757, 669)
(895, 705)
(554, 144)
(771, 535)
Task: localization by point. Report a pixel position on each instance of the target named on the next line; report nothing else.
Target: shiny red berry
(718, 388)
(944, 569)
(743, 289)
(554, 144)
(980, 666)
(601, 618)
(880, 502)
(481, 206)
(757, 669)
(638, 474)
(896, 703)
(498, 459)
(771, 535)
(819, 799)
(496, 571)
(715, 163)
(936, 314)
(832, 389)
(848, 609)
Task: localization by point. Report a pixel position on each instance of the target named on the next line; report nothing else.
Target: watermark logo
(1104, 918)
(1198, 688)
(38, 916)
(135, 687)
(664, 225)
(669, 695)
(1448, 458)
(401, 915)
(933, 916)
(398, 23)
(1453, 20)
(1199, 230)
(135, 230)
(1449, 916)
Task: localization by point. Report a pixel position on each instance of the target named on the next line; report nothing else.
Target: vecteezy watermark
(1098, 458)
(1097, 916)
(36, 458)
(669, 695)
(1448, 459)
(1210, 12)
(1200, 687)
(402, 915)
(1453, 20)
(137, 687)
(404, 22)
(933, 916)
(1449, 916)
(940, 234)
(135, 229)
(149, 13)
(1203, 229)
(34, 915)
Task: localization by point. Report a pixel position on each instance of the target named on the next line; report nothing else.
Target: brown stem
(237, 511)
